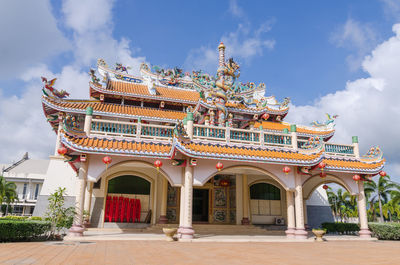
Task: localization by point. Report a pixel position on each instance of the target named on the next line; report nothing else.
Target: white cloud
(29, 35)
(367, 107)
(243, 44)
(356, 37)
(235, 9)
(21, 116)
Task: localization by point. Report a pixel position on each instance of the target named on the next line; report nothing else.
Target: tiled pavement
(161, 252)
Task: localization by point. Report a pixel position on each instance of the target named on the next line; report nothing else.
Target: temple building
(168, 146)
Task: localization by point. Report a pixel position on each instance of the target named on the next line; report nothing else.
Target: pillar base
(76, 230)
(163, 219)
(365, 233)
(290, 232)
(245, 221)
(300, 233)
(186, 233)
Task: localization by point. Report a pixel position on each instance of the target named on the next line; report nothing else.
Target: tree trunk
(380, 208)
(7, 210)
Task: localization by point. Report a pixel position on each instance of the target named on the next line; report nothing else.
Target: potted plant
(86, 219)
(319, 233)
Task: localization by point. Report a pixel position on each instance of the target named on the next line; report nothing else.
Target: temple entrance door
(200, 205)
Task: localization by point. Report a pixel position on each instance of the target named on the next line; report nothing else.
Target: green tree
(59, 216)
(8, 192)
(343, 204)
(379, 191)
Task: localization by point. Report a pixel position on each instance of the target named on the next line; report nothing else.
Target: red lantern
(356, 178)
(62, 150)
(158, 164)
(322, 165)
(219, 166)
(322, 174)
(325, 187)
(107, 160)
(382, 174)
(265, 116)
(286, 170)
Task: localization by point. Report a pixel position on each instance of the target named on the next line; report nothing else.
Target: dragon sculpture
(49, 90)
(119, 67)
(330, 120)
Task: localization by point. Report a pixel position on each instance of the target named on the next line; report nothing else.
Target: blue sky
(327, 56)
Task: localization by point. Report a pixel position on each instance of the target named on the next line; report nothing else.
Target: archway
(321, 203)
(128, 199)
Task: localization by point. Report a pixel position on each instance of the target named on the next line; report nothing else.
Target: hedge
(21, 218)
(20, 230)
(385, 231)
(341, 228)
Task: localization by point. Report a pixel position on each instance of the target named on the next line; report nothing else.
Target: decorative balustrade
(152, 131)
(113, 128)
(210, 133)
(342, 149)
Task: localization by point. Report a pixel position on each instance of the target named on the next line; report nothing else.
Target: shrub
(14, 218)
(22, 230)
(341, 228)
(385, 231)
(35, 218)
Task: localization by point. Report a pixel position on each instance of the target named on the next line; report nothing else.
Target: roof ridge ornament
(329, 123)
(49, 90)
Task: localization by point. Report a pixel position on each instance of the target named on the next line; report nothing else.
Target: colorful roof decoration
(148, 115)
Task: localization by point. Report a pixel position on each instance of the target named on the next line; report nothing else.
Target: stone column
(181, 208)
(189, 124)
(77, 228)
(88, 120)
(187, 231)
(300, 230)
(291, 225)
(355, 146)
(245, 220)
(362, 212)
(88, 198)
(164, 196)
(293, 133)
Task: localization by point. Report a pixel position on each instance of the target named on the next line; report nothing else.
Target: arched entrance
(128, 199)
(265, 203)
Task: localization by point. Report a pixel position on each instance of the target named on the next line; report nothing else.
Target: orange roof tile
(162, 92)
(279, 126)
(353, 164)
(244, 151)
(116, 108)
(122, 145)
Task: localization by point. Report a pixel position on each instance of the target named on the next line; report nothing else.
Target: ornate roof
(142, 91)
(112, 110)
(301, 130)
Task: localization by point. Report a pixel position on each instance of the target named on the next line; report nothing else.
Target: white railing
(209, 133)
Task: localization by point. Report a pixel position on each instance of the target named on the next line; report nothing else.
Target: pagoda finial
(221, 49)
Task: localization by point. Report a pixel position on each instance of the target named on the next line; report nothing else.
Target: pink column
(291, 226)
(362, 212)
(300, 230)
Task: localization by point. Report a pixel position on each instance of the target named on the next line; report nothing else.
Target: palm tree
(8, 192)
(378, 191)
(342, 203)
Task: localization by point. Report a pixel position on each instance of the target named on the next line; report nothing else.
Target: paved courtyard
(160, 252)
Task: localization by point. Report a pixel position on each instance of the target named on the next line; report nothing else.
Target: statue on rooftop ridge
(49, 90)
(329, 122)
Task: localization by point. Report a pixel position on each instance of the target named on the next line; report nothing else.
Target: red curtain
(121, 209)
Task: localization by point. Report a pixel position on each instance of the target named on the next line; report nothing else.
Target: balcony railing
(210, 133)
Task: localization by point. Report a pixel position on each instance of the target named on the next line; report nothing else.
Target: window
(264, 191)
(17, 210)
(24, 191)
(36, 191)
(129, 185)
(265, 199)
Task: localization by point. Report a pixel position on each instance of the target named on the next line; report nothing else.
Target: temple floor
(161, 252)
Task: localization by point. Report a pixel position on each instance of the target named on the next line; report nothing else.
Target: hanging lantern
(219, 166)
(265, 116)
(325, 187)
(322, 165)
(356, 178)
(62, 150)
(322, 174)
(382, 174)
(107, 160)
(158, 164)
(286, 170)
